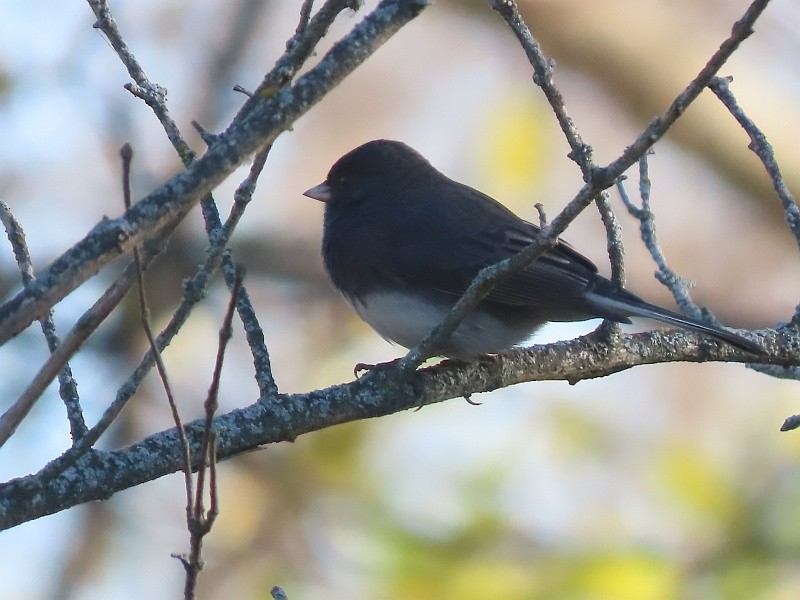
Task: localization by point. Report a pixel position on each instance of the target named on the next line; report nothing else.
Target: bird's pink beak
(321, 192)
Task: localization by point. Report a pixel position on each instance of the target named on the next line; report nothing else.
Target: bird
(402, 242)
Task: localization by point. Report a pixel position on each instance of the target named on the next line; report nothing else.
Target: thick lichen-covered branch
(98, 475)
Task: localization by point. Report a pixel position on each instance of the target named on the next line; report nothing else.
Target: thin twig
(67, 388)
(153, 94)
(678, 286)
(126, 153)
(762, 148)
(198, 521)
(580, 152)
(614, 244)
(298, 50)
(253, 331)
(212, 399)
(19, 244)
(219, 235)
(305, 17)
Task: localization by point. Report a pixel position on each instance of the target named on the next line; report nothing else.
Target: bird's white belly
(407, 320)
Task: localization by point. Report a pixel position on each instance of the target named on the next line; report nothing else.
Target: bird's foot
(410, 378)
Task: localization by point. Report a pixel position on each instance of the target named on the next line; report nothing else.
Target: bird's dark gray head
(374, 165)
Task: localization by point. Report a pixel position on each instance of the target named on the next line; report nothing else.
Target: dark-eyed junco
(401, 242)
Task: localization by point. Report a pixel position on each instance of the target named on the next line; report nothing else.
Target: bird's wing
(466, 231)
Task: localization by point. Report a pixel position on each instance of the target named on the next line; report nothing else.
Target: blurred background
(662, 482)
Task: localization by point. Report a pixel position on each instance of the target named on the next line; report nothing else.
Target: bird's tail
(621, 304)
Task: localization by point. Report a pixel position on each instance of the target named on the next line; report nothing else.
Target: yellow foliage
(698, 484)
(512, 144)
(627, 577)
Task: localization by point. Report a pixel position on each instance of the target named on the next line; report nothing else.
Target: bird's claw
(468, 398)
(366, 367)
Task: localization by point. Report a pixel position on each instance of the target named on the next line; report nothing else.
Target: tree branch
(763, 149)
(98, 475)
(172, 201)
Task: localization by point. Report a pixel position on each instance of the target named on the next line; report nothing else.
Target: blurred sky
(660, 482)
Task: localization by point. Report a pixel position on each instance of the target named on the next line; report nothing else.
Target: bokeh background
(662, 482)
